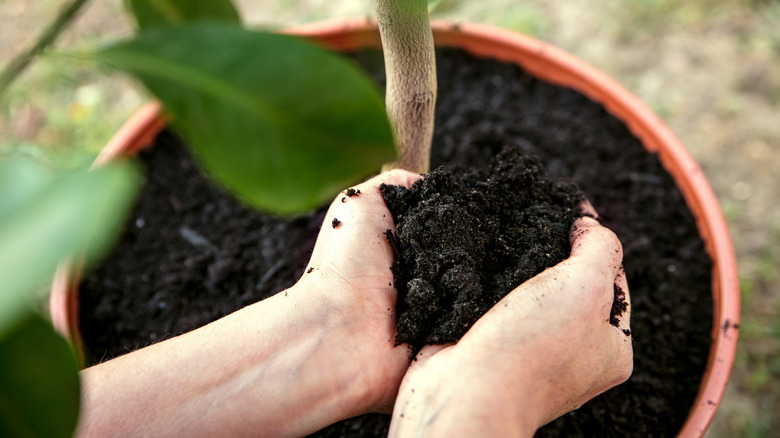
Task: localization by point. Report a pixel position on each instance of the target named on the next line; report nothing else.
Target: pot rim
(553, 65)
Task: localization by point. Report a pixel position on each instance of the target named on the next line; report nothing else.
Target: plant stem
(47, 37)
(410, 65)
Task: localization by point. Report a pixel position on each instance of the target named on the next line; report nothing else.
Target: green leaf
(149, 13)
(46, 217)
(20, 180)
(39, 381)
(282, 123)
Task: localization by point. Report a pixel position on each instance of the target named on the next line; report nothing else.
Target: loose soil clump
(465, 239)
(619, 306)
(190, 254)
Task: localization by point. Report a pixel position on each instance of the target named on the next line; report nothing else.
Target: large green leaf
(282, 123)
(150, 13)
(45, 217)
(39, 381)
(21, 179)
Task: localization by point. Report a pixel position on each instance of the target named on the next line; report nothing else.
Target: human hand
(543, 350)
(318, 352)
(349, 275)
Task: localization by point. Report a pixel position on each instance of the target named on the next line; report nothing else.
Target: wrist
(357, 345)
(444, 397)
(323, 376)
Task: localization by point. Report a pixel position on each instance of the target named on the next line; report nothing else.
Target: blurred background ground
(709, 68)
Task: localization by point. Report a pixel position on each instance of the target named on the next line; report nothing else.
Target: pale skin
(324, 350)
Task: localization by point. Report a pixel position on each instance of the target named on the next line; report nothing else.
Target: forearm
(268, 369)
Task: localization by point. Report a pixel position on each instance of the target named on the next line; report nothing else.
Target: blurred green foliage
(48, 214)
(280, 122)
(39, 381)
(150, 13)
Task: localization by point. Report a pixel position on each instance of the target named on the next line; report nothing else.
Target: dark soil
(619, 305)
(191, 254)
(465, 239)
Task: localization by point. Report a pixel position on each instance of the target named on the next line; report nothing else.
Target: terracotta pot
(555, 66)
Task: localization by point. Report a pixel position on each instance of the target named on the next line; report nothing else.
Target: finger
(364, 200)
(587, 278)
(597, 259)
(367, 198)
(359, 216)
(581, 283)
(396, 177)
(595, 248)
(373, 195)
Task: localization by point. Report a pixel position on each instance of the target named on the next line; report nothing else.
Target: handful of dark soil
(464, 240)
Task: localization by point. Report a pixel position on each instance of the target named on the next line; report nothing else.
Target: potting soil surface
(191, 254)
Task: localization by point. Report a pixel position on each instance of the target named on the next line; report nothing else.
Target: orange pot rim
(553, 65)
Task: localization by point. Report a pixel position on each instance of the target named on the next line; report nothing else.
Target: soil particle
(730, 325)
(465, 239)
(352, 192)
(619, 305)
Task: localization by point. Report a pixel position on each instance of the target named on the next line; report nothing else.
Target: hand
(350, 275)
(319, 352)
(543, 350)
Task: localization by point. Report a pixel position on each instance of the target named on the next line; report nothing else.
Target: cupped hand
(543, 350)
(350, 272)
(316, 353)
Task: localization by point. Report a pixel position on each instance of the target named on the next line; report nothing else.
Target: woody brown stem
(410, 65)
